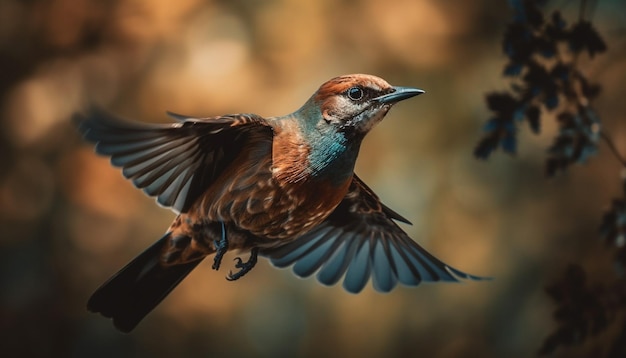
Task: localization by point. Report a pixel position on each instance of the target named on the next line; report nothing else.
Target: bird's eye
(355, 93)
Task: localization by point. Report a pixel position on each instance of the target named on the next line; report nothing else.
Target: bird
(280, 187)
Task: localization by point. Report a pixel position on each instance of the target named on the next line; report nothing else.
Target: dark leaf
(588, 149)
(589, 90)
(565, 119)
(532, 115)
(492, 125)
(561, 72)
(584, 37)
(517, 43)
(551, 102)
(518, 115)
(526, 11)
(538, 77)
(509, 143)
(579, 312)
(545, 46)
(513, 69)
(555, 29)
(590, 118)
(486, 146)
(502, 103)
(555, 164)
(517, 88)
(533, 15)
(520, 10)
(613, 227)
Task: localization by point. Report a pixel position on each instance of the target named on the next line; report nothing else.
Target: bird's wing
(360, 239)
(173, 162)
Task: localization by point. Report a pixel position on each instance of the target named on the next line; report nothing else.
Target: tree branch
(613, 148)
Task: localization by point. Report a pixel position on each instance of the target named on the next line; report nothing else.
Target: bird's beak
(399, 94)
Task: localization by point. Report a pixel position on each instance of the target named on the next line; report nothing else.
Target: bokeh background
(68, 220)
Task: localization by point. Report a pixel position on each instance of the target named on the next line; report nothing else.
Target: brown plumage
(283, 187)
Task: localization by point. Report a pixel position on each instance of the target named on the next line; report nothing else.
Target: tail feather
(138, 288)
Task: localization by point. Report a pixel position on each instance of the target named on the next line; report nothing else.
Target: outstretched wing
(359, 239)
(175, 162)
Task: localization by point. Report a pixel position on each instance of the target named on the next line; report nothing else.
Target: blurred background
(68, 220)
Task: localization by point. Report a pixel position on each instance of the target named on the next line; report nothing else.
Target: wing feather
(175, 162)
(360, 240)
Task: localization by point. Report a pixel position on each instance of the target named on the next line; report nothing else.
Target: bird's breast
(272, 199)
(324, 156)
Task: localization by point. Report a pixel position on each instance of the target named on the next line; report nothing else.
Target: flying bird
(281, 187)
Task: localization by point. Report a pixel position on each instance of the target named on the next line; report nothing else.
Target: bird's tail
(136, 289)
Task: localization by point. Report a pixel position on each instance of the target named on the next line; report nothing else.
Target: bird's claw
(244, 267)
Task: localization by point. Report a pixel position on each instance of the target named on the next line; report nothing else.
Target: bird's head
(329, 127)
(353, 104)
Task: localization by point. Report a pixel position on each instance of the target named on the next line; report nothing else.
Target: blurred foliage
(543, 64)
(547, 79)
(587, 309)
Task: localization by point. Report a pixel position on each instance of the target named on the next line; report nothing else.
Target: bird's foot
(244, 267)
(221, 247)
